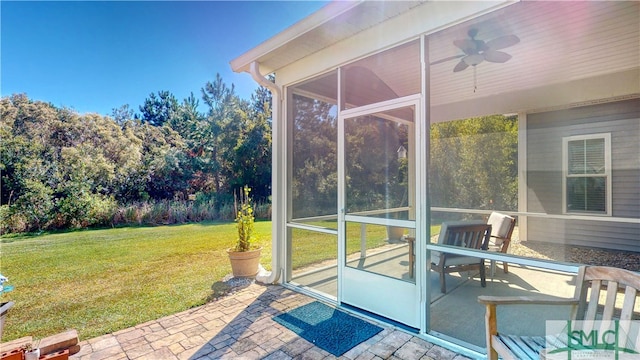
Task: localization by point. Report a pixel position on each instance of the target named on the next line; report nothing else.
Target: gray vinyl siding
(544, 193)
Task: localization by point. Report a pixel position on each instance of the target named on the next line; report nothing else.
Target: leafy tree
(122, 114)
(374, 179)
(160, 109)
(24, 152)
(164, 165)
(187, 117)
(216, 134)
(252, 155)
(261, 99)
(474, 163)
(314, 159)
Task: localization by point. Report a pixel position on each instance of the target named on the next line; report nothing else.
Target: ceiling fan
(476, 51)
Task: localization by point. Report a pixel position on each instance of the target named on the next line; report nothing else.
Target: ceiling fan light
(473, 60)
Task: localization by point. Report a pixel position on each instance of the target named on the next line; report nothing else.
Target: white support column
(342, 258)
(522, 175)
(278, 158)
(423, 215)
(363, 241)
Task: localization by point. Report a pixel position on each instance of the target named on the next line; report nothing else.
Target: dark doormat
(327, 328)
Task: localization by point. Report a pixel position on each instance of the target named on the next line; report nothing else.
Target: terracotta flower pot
(394, 233)
(244, 263)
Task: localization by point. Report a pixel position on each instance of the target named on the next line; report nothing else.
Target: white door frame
(401, 300)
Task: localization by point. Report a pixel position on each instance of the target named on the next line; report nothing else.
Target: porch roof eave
(336, 21)
(289, 36)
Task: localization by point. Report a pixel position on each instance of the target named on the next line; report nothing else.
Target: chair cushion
(454, 260)
(500, 225)
(495, 244)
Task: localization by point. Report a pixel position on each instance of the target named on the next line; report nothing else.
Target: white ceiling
(560, 42)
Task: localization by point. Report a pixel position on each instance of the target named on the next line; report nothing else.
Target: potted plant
(245, 258)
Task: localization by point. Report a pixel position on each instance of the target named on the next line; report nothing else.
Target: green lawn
(310, 247)
(101, 281)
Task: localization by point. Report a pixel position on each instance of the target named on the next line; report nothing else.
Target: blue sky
(95, 56)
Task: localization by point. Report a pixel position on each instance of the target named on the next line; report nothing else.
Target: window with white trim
(587, 174)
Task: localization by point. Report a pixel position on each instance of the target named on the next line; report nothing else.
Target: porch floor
(457, 314)
(241, 326)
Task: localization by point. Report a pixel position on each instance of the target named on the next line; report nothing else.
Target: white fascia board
(331, 10)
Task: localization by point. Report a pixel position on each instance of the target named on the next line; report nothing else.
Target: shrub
(262, 210)
(85, 210)
(157, 213)
(179, 212)
(101, 210)
(11, 222)
(35, 205)
(227, 212)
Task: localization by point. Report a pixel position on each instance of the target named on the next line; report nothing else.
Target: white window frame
(607, 172)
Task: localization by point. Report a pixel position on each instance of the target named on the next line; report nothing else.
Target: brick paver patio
(240, 326)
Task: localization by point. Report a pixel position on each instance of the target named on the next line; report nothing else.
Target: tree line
(169, 162)
(473, 162)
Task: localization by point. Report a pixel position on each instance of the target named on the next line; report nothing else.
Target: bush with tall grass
(181, 211)
(103, 211)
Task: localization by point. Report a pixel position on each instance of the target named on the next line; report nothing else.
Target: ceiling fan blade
(496, 56)
(502, 42)
(468, 46)
(461, 66)
(446, 59)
